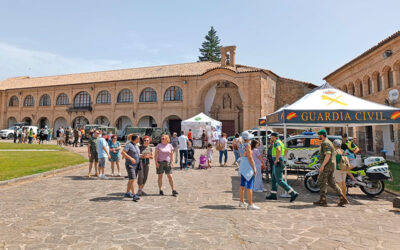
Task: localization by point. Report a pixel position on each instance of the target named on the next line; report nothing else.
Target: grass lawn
(15, 164)
(7, 145)
(395, 184)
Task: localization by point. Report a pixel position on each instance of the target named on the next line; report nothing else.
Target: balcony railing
(73, 108)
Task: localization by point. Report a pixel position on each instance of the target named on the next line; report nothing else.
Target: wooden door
(228, 127)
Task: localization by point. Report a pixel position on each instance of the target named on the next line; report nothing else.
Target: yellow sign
(332, 100)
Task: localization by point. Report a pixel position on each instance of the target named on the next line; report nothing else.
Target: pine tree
(210, 48)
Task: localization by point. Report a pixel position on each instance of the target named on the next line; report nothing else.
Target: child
(210, 152)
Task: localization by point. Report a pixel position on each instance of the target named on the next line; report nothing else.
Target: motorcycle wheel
(378, 188)
(311, 184)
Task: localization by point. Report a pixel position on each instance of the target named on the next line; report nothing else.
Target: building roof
(173, 70)
(369, 51)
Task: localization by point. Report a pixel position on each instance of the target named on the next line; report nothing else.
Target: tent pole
(285, 194)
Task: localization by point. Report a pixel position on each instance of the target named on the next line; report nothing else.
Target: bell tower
(228, 55)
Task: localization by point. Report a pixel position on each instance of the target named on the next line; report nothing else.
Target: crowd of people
(28, 135)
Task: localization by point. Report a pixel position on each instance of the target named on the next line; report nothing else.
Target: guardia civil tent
(327, 106)
(201, 122)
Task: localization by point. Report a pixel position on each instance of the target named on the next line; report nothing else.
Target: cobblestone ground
(72, 211)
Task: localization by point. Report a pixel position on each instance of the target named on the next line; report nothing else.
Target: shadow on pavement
(302, 206)
(82, 178)
(109, 198)
(219, 207)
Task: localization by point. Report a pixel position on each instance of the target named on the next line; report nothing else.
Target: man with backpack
(342, 167)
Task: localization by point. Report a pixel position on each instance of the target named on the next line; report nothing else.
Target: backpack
(219, 146)
(235, 145)
(344, 163)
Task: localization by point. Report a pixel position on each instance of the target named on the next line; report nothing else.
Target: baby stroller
(203, 162)
(191, 161)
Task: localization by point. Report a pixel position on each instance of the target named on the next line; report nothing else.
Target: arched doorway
(79, 121)
(60, 122)
(224, 102)
(43, 122)
(147, 121)
(102, 120)
(123, 122)
(11, 121)
(27, 121)
(172, 124)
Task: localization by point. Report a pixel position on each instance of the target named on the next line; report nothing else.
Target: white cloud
(15, 61)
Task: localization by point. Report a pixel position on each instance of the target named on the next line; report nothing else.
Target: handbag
(245, 168)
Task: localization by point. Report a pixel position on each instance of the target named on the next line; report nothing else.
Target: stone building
(159, 96)
(374, 76)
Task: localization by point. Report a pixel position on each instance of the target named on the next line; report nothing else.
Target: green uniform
(326, 177)
(277, 170)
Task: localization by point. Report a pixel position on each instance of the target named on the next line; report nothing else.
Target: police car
(301, 148)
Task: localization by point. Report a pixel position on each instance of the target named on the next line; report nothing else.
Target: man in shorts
(103, 153)
(92, 153)
(131, 153)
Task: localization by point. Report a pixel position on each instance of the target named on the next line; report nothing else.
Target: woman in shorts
(164, 158)
(340, 175)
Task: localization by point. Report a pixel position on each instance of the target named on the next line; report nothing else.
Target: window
(125, 96)
(13, 101)
(62, 99)
(82, 100)
(173, 93)
(379, 82)
(29, 101)
(45, 100)
(390, 78)
(361, 89)
(103, 97)
(148, 95)
(369, 86)
(391, 131)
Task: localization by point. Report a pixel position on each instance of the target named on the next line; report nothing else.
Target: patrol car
(300, 148)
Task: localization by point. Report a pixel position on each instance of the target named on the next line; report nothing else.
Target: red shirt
(190, 135)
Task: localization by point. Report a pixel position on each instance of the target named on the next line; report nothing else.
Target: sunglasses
(146, 140)
(162, 138)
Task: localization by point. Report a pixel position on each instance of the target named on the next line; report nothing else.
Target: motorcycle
(370, 176)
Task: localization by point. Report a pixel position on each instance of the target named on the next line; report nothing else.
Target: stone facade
(372, 76)
(236, 94)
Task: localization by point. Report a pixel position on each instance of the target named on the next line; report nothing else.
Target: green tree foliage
(210, 48)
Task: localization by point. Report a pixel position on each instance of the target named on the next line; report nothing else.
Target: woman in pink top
(164, 158)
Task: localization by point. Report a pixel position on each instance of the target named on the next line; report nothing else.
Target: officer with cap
(327, 159)
(278, 153)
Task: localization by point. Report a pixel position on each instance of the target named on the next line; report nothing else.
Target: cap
(246, 135)
(322, 132)
(274, 134)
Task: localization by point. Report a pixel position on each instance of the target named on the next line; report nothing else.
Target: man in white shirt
(183, 148)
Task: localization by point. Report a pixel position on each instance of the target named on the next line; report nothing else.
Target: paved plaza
(70, 211)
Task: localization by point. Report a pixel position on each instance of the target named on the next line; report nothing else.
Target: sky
(303, 40)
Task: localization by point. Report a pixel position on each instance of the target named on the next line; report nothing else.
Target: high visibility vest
(349, 145)
(280, 145)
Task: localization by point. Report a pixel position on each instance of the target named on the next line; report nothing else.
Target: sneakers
(135, 198)
(112, 174)
(174, 193)
(128, 195)
(258, 191)
(294, 196)
(271, 197)
(243, 204)
(161, 192)
(143, 193)
(119, 174)
(252, 207)
(103, 176)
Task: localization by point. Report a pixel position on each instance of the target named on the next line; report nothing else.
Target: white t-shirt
(183, 142)
(223, 141)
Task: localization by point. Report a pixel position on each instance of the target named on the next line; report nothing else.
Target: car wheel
(10, 136)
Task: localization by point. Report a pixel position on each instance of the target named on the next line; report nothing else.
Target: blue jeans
(183, 153)
(221, 153)
(277, 177)
(237, 155)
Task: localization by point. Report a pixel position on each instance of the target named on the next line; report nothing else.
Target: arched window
(378, 82)
(103, 97)
(29, 101)
(148, 95)
(369, 83)
(173, 93)
(345, 89)
(13, 101)
(390, 78)
(45, 100)
(82, 100)
(62, 99)
(361, 89)
(125, 96)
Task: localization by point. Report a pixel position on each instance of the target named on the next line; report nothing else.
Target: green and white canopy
(327, 106)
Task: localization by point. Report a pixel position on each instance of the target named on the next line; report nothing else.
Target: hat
(246, 135)
(274, 134)
(322, 132)
(337, 143)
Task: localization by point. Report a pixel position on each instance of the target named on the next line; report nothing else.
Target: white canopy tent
(201, 122)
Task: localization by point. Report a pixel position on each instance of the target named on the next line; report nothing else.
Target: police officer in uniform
(278, 153)
(327, 159)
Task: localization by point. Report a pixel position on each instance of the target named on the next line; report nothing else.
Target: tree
(210, 48)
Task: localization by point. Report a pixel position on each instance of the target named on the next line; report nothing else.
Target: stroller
(203, 162)
(191, 161)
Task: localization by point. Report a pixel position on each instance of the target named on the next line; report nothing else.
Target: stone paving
(70, 211)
